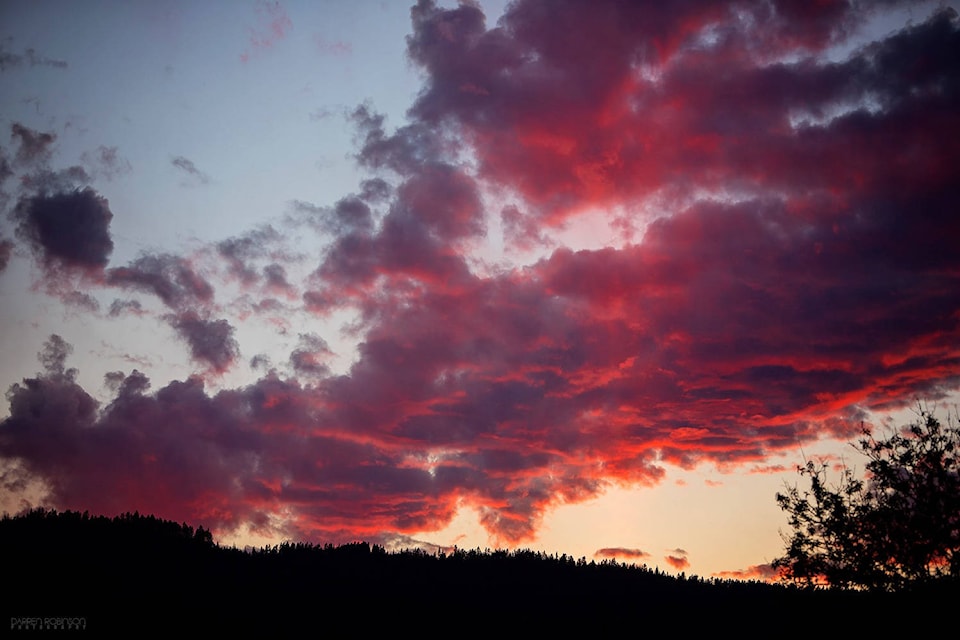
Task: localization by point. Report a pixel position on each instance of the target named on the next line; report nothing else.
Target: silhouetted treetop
(897, 529)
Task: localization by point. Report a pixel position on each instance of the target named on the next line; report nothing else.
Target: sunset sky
(584, 277)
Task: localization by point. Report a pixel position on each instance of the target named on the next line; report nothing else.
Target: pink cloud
(802, 273)
(273, 23)
(621, 552)
(762, 572)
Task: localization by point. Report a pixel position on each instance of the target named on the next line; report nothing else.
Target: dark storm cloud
(63, 222)
(211, 342)
(70, 229)
(186, 165)
(171, 278)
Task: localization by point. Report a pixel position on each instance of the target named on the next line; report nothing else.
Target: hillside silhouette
(137, 574)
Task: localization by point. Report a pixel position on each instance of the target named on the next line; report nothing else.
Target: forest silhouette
(138, 574)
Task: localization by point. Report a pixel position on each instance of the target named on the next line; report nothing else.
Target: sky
(584, 277)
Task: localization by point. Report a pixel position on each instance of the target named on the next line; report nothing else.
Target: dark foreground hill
(137, 575)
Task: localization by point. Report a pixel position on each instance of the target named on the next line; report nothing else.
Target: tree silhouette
(897, 529)
(121, 576)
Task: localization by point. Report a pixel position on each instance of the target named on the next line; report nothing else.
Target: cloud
(171, 278)
(33, 147)
(349, 215)
(241, 251)
(230, 458)
(403, 151)
(621, 552)
(6, 250)
(275, 279)
(80, 300)
(770, 468)
(260, 361)
(54, 356)
(58, 217)
(307, 359)
(762, 572)
(34, 59)
(6, 170)
(67, 229)
(793, 267)
(120, 307)
(179, 286)
(627, 120)
(42, 181)
(190, 169)
(127, 385)
(677, 559)
(211, 341)
(106, 162)
(522, 232)
(29, 57)
(273, 23)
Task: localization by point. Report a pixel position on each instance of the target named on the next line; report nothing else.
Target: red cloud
(762, 572)
(621, 552)
(801, 270)
(628, 118)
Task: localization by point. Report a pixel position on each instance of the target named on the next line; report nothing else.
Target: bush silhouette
(896, 530)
